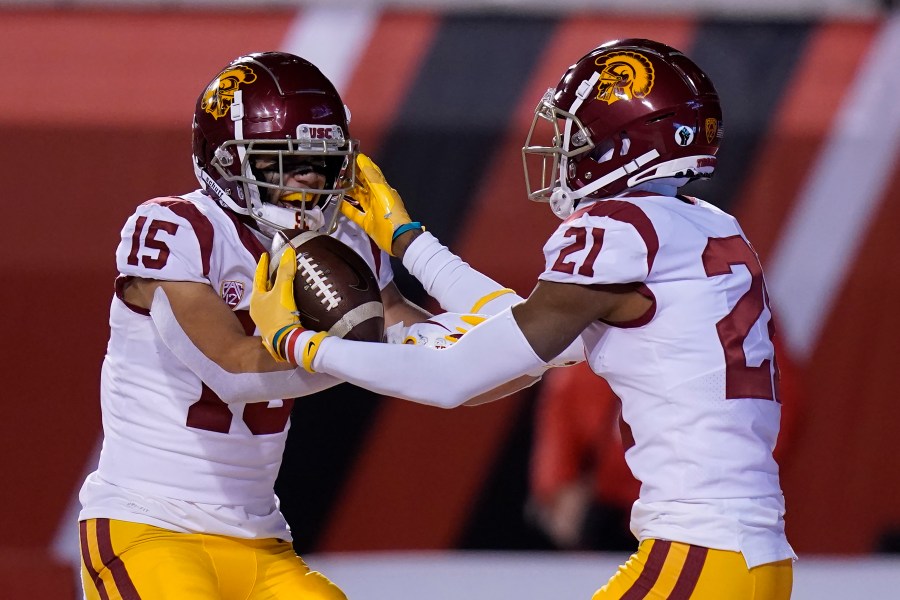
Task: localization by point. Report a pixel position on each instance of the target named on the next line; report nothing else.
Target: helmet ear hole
(606, 149)
(603, 151)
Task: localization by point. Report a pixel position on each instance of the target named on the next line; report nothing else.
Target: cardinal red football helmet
(278, 107)
(627, 112)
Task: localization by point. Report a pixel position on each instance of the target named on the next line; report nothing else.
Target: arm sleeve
(490, 354)
(452, 282)
(461, 289)
(231, 387)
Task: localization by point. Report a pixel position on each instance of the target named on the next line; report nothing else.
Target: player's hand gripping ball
(334, 289)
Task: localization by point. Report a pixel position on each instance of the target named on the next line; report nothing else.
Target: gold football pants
(673, 571)
(130, 561)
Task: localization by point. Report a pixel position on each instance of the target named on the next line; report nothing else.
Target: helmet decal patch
(232, 292)
(219, 95)
(624, 75)
(684, 135)
(712, 127)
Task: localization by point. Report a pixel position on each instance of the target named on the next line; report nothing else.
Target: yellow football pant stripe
(119, 558)
(103, 571)
(663, 570)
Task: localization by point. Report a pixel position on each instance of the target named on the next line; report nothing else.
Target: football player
(195, 410)
(666, 295)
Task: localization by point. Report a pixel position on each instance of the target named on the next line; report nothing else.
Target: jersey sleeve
(597, 250)
(169, 240)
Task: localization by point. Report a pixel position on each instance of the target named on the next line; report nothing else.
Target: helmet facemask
(267, 166)
(546, 166)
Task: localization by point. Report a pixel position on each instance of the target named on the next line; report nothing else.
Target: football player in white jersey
(663, 293)
(195, 410)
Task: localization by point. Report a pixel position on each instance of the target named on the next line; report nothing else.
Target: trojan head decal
(219, 95)
(623, 76)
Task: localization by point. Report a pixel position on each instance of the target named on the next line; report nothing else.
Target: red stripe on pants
(112, 562)
(86, 559)
(650, 572)
(690, 573)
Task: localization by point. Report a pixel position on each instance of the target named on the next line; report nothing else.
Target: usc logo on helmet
(219, 95)
(625, 75)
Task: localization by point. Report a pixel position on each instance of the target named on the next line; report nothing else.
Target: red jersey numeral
(150, 242)
(741, 380)
(210, 413)
(579, 243)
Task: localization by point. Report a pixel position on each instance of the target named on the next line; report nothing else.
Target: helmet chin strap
(216, 190)
(626, 169)
(563, 200)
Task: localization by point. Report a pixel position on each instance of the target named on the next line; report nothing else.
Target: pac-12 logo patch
(624, 75)
(232, 292)
(218, 97)
(712, 127)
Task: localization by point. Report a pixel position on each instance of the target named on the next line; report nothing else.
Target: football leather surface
(334, 289)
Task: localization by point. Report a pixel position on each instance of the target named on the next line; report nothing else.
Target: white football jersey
(174, 454)
(696, 374)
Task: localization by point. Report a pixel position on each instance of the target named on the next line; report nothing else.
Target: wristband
(283, 339)
(309, 350)
(406, 227)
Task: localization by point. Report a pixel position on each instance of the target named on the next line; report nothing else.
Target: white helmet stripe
(237, 115)
(584, 90)
(253, 200)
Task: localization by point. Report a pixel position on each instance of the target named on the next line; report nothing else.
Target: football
(334, 289)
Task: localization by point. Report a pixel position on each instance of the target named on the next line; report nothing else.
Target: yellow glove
(274, 311)
(375, 206)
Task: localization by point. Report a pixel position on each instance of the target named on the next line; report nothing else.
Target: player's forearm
(402, 242)
(489, 355)
(451, 281)
(506, 389)
(460, 288)
(258, 387)
(397, 308)
(252, 376)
